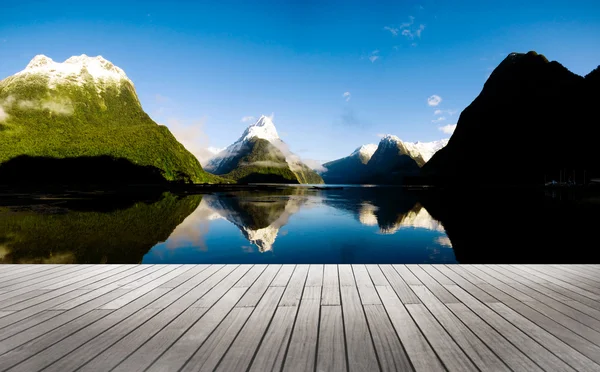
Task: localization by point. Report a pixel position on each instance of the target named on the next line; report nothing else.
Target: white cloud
(314, 165)
(441, 118)
(248, 118)
(374, 55)
(407, 33)
(419, 30)
(60, 106)
(192, 137)
(448, 129)
(3, 115)
(393, 30)
(434, 100)
(347, 96)
(440, 112)
(380, 135)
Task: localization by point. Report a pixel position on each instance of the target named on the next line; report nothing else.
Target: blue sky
(200, 68)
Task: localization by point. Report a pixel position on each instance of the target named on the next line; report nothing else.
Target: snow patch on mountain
(365, 151)
(76, 69)
(424, 149)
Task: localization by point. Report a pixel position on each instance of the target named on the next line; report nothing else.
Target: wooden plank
(67, 345)
(25, 351)
(240, 354)
(282, 278)
(448, 351)
(552, 299)
(514, 303)
(315, 276)
(27, 323)
(254, 293)
(41, 277)
(569, 355)
(366, 289)
(528, 346)
(185, 347)
(81, 279)
(209, 355)
(271, 353)
(112, 356)
(293, 291)
(250, 277)
(390, 353)
(143, 357)
(331, 286)
(510, 354)
(211, 297)
(552, 288)
(107, 339)
(407, 275)
(25, 272)
(346, 277)
(361, 351)
(377, 275)
(567, 277)
(302, 349)
(577, 274)
(406, 295)
(140, 291)
(331, 353)
(441, 293)
(541, 276)
(476, 350)
(460, 278)
(183, 279)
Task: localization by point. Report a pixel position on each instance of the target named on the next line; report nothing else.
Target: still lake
(301, 224)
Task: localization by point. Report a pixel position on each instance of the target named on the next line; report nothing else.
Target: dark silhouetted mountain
(532, 120)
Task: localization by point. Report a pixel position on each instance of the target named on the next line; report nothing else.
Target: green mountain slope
(78, 115)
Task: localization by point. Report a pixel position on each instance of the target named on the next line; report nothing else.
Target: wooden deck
(299, 317)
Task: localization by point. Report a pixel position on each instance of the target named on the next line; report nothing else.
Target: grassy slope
(111, 123)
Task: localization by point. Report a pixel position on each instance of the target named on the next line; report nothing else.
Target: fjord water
(302, 224)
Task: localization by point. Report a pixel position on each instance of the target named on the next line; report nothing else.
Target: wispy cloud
(347, 96)
(314, 165)
(419, 30)
(434, 100)
(441, 118)
(440, 112)
(248, 118)
(374, 55)
(380, 135)
(3, 115)
(56, 105)
(193, 137)
(448, 129)
(392, 30)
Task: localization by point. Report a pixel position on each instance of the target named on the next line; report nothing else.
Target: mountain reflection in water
(297, 225)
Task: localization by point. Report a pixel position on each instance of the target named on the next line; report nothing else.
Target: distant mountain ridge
(259, 155)
(534, 121)
(387, 162)
(85, 108)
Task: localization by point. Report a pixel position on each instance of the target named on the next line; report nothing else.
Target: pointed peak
(39, 61)
(263, 128)
(390, 138)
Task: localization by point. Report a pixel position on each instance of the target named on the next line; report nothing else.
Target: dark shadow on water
(510, 226)
(84, 170)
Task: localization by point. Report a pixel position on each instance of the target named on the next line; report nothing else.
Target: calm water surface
(299, 225)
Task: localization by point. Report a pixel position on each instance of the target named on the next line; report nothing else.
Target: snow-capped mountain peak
(425, 149)
(262, 128)
(365, 150)
(75, 69)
